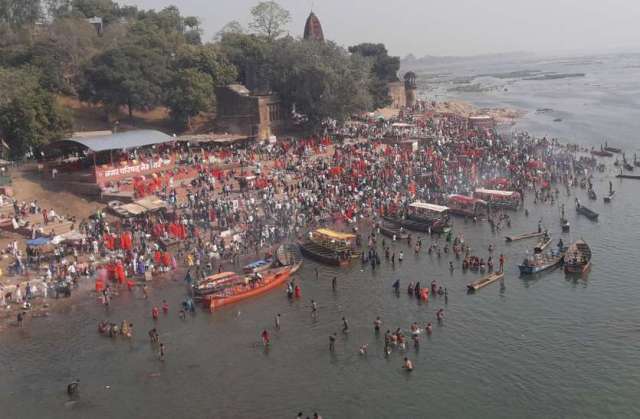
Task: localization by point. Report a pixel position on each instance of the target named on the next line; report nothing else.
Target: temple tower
(410, 88)
(313, 29)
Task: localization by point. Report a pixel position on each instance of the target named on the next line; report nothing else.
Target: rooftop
(119, 141)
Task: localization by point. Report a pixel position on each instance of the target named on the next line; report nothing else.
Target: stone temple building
(403, 93)
(313, 29)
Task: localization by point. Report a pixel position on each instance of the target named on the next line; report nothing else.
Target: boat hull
(390, 231)
(326, 258)
(278, 279)
(483, 282)
(577, 269)
(531, 270)
(587, 213)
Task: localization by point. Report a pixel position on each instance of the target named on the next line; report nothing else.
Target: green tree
(131, 76)
(269, 19)
(29, 115)
(20, 12)
(384, 69)
(198, 70)
(190, 92)
(250, 55)
(233, 27)
(321, 79)
(61, 51)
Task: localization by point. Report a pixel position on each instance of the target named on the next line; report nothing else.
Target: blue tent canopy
(40, 241)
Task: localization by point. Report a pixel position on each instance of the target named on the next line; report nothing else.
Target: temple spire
(313, 28)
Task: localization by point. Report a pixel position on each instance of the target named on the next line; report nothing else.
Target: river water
(548, 346)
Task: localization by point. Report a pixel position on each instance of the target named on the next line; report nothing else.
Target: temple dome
(313, 29)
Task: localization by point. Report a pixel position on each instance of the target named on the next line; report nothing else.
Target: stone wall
(397, 94)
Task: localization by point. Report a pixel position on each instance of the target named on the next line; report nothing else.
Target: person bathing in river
(429, 328)
(376, 324)
(408, 365)
(265, 337)
(396, 286)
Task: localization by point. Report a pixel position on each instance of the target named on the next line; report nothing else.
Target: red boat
(250, 286)
(467, 206)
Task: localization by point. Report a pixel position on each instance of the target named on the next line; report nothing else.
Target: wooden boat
(577, 259)
(251, 286)
(484, 281)
(258, 266)
(466, 206)
(288, 254)
(422, 225)
(581, 209)
(314, 251)
(621, 176)
(524, 236)
(564, 223)
(393, 230)
(601, 153)
(542, 244)
(613, 149)
(609, 197)
(540, 263)
(330, 247)
(212, 283)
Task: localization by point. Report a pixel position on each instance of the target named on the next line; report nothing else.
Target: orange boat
(250, 286)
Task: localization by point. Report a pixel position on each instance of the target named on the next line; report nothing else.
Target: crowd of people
(255, 196)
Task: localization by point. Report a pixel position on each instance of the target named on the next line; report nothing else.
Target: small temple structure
(313, 29)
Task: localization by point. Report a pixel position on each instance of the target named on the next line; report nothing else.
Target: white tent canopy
(429, 207)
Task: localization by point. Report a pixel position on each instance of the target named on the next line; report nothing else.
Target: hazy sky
(446, 27)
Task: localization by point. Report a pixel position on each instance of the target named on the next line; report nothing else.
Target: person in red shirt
(165, 307)
(155, 313)
(265, 337)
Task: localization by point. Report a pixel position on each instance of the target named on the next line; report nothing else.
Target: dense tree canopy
(384, 69)
(131, 76)
(29, 115)
(321, 79)
(140, 59)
